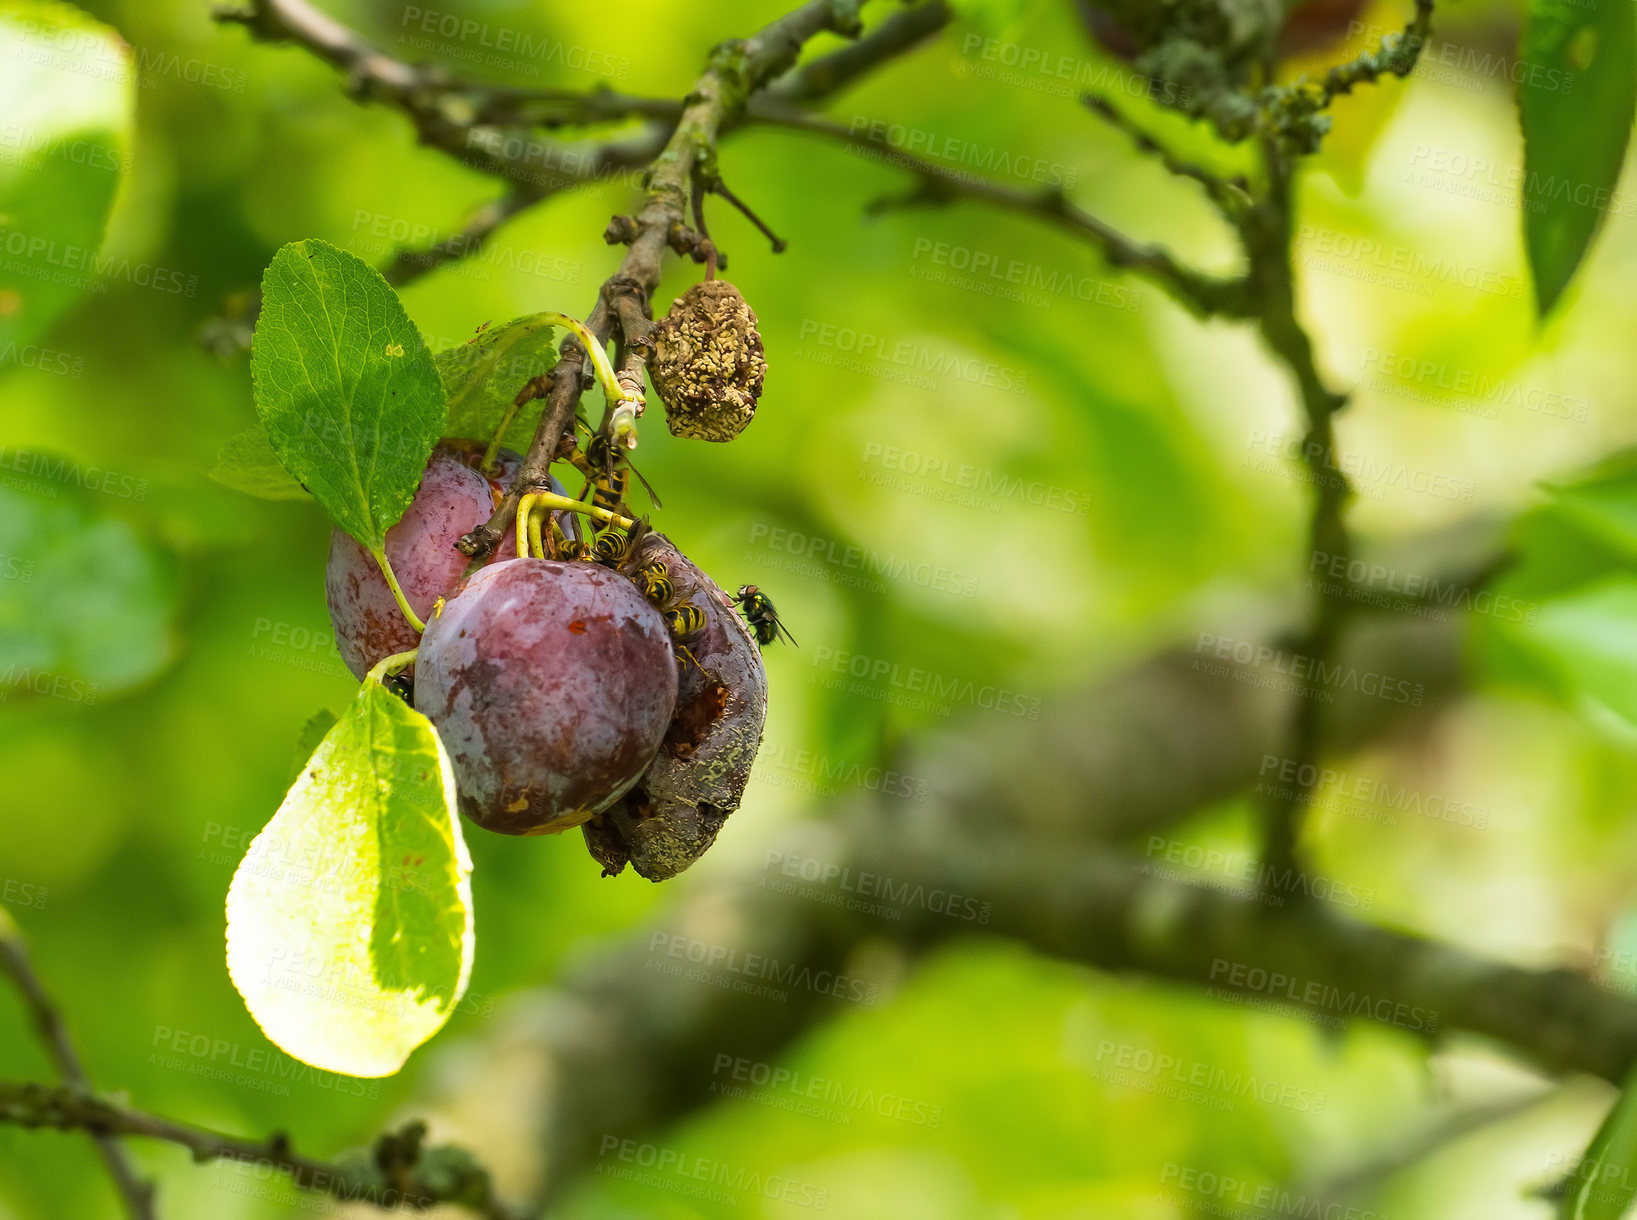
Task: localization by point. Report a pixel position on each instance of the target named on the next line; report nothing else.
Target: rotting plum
(673, 813)
(451, 499)
(551, 685)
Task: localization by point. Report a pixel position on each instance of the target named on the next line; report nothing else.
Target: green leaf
(349, 921)
(68, 93)
(483, 375)
(344, 386)
(86, 602)
(313, 732)
(1576, 106)
(247, 463)
(1605, 1183)
(1589, 640)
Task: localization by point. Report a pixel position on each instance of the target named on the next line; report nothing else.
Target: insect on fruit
(760, 614)
(685, 621)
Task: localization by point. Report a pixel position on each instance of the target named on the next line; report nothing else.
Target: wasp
(685, 620)
(654, 581)
(758, 610)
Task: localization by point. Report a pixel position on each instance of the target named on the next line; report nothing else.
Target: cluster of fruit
(615, 688)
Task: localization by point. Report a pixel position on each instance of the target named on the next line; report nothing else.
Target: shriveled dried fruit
(708, 363)
(551, 685)
(673, 813)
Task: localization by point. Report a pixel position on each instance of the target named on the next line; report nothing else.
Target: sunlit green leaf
(344, 386)
(247, 463)
(1606, 1182)
(483, 375)
(349, 921)
(1576, 105)
(67, 92)
(85, 601)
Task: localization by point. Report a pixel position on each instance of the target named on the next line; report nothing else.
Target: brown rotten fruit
(708, 363)
(672, 814)
(551, 685)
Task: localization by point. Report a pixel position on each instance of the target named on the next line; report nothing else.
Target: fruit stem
(397, 590)
(537, 546)
(612, 390)
(551, 500)
(391, 664)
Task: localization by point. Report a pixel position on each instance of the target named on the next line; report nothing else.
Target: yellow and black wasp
(758, 610)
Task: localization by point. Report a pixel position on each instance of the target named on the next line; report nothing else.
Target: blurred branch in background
(137, 1194)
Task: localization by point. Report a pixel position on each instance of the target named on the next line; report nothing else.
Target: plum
(673, 813)
(451, 499)
(551, 685)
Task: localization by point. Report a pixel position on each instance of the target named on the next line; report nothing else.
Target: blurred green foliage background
(200, 613)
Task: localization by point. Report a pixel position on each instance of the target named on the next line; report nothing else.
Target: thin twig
(1203, 294)
(137, 1193)
(401, 1174)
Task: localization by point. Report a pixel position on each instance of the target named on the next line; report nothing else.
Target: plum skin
(551, 685)
(452, 498)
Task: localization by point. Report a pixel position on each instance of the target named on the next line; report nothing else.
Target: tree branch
(400, 1174)
(736, 71)
(1204, 295)
(137, 1194)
